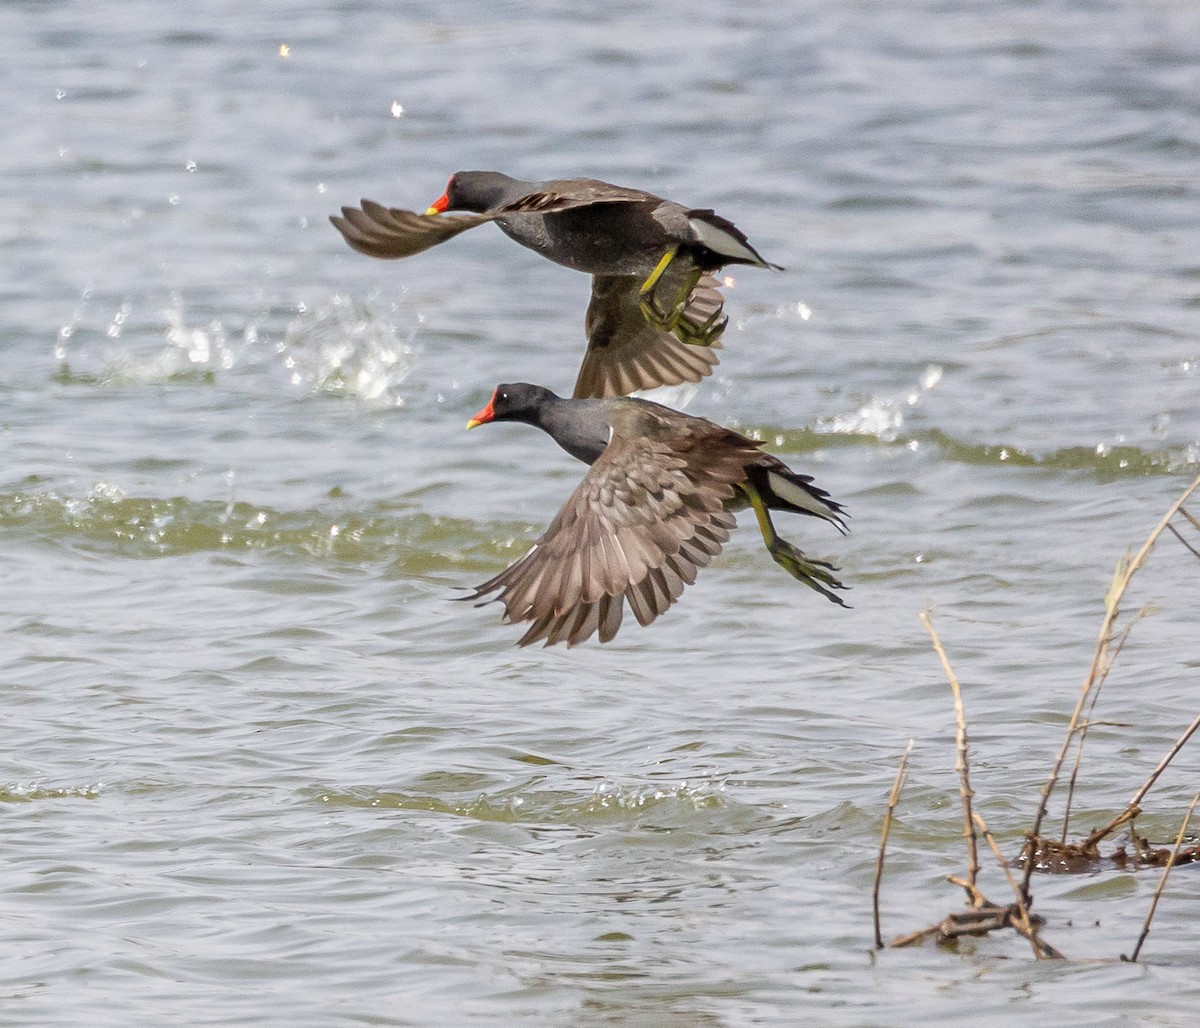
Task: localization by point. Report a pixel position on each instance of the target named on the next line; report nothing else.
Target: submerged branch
(1024, 924)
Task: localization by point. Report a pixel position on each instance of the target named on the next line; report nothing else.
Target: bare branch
(1024, 924)
(962, 766)
(1125, 571)
(893, 799)
(1083, 727)
(1162, 882)
(1179, 535)
(1134, 808)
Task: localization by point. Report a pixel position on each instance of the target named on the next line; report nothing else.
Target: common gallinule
(633, 243)
(655, 507)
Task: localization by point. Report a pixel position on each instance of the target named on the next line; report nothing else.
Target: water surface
(261, 769)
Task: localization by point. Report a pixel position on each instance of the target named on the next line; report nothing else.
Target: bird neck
(581, 427)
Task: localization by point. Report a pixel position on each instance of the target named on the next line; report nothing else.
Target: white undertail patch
(720, 241)
(795, 495)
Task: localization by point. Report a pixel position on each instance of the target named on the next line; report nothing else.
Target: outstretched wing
(391, 233)
(646, 517)
(626, 353)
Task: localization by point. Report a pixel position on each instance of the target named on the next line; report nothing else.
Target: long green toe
(816, 574)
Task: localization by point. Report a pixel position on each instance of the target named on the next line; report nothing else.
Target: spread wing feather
(392, 233)
(646, 517)
(626, 353)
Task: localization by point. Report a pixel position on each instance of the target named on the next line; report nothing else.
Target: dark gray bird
(655, 507)
(651, 262)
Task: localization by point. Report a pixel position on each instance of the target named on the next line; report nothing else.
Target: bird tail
(723, 237)
(782, 489)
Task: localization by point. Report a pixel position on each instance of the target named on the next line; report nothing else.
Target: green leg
(816, 574)
(684, 294)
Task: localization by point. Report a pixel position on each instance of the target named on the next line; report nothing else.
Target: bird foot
(673, 318)
(666, 318)
(816, 574)
(704, 334)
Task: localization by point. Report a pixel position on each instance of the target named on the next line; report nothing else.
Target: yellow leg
(657, 273)
(685, 293)
(671, 317)
(760, 511)
(816, 574)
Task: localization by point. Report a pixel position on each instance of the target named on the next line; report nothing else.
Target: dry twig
(963, 767)
(893, 799)
(1024, 924)
(1162, 882)
(1179, 535)
(1134, 808)
(1102, 658)
(1087, 723)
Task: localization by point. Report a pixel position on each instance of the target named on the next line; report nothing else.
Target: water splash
(882, 417)
(140, 343)
(338, 346)
(345, 347)
(108, 521)
(608, 802)
(206, 346)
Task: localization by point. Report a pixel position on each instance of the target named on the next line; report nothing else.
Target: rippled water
(261, 769)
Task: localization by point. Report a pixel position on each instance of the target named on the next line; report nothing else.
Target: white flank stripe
(795, 495)
(720, 241)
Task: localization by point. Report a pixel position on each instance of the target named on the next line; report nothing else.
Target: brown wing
(391, 233)
(626, 353)
(568, 194)
(646, 517)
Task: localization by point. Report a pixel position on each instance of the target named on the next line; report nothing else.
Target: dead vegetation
(1040, 852)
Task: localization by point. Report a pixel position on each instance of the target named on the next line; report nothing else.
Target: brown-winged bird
(654, 508)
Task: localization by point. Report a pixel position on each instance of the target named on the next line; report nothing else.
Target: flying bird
(655, 507)
(656, 312)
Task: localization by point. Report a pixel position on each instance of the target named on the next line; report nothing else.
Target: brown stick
(893, 799)
(1162, 882)
(962, 766)
(1086, 724)
(1179, 535)
(1134, 807)
(1125, 572)
(1024, 924)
